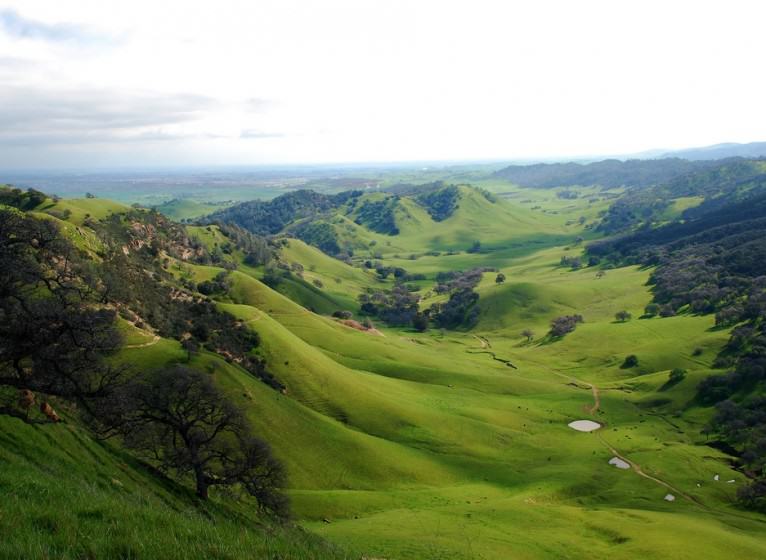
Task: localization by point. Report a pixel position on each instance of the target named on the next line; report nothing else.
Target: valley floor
(428, 446)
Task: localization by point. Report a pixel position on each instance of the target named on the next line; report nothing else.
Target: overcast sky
(145, 83)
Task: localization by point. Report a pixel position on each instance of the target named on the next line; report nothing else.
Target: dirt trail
(485, 345)
(155, 339)
(633, 465)
(637, 469)
(592, 410)
(483, 341)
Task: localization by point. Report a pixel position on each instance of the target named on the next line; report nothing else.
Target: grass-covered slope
(68, 496)
(444, 443)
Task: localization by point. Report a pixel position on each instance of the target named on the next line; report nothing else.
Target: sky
(106, 83)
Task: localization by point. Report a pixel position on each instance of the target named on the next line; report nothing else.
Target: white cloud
(286, 80)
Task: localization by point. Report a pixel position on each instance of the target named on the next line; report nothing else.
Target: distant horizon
(652, 153)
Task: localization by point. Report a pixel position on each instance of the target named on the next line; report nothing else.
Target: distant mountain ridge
(607, 173)
(720, 151)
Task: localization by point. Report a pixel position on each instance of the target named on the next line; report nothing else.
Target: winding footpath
(635, 467)
(592, 410)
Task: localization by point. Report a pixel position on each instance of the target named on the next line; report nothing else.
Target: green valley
(395, 350)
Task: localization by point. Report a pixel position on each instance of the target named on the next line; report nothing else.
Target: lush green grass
(421, 445)
(67, 496)
(184, 208)
(495, 471)
(80, 208)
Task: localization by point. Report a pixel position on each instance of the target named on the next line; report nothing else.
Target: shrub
(630, 361)
(652, 310)
(677, 375)
(566, 324)
(623, 316)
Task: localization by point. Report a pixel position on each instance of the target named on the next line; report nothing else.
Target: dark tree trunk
(202, 485)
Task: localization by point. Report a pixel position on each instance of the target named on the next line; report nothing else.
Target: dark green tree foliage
(440, 201)
(420, 322)
(652, 310)
(136, 282)
(379, 215)
(270, 217)
(218, 285)
(453, 280)
(676, 375)
(397, 307)
(575, 263)
(623, 316)
(564, 325)
(178, 419)
(23, 200)
(319, 234)
(722, 184)
(742, 423)
(256, 249)
(631, 361)
(460, 311)
(53, 339)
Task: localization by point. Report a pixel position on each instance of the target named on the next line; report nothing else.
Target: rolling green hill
(445, 443)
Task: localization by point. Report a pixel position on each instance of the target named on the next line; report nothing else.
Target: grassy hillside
(185, 209)
(66, 495)
(436, 444)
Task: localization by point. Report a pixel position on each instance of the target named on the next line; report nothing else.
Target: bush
(566, 324)
(677, 375)
(652, 310)
(623, 316)
(630, 362)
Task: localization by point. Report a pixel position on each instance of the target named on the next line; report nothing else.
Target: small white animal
(715, 477)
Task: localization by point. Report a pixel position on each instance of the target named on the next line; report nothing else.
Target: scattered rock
(619, 463)
(584, 425)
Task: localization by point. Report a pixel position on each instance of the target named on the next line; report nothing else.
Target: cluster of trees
(57, 337)
(399, 273)
(379, 215)
(220, 284)
(461, 310)
(257, 249)
(321, 235)
(23, 200)
(455, 280)
(397, 307)
(53, 340)
(440, 200)
(271, 217)
(575, 263)
(719, 183)
(714, 261)
(564, 325)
